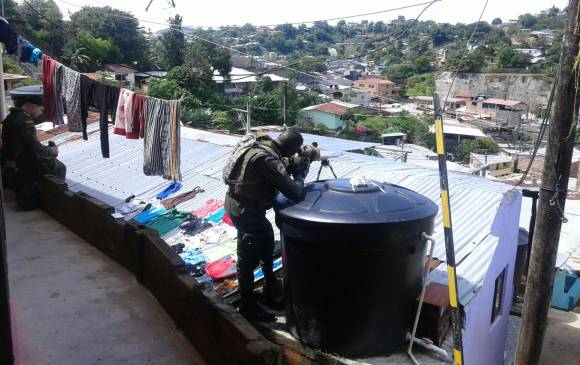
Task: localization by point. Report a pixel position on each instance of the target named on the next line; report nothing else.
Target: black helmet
(31, 94)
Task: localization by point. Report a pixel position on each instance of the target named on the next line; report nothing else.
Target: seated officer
(23, 155)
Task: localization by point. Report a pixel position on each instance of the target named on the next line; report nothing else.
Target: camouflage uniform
(257, 177)
(24, 155)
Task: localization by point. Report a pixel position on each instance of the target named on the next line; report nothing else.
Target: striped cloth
(71, 88)
(162, 149)
(59, 101)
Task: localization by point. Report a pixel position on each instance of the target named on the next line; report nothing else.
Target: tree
(172, 44)
(264, 85)
(43, 24)
(201, 59)
(467, 146)
(76, 59)
(496, 22)
(222, 120)
(527, 20)
(119, 27)
(504, 57)
(439, 38)
(87, 53)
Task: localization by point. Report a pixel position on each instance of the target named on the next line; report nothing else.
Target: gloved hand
(299, 164)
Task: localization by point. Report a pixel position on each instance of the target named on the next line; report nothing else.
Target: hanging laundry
(181, 198)
(8, 36)
(105, 99)
(35, 56)
(124, 112)
(148, 214)
(210, 206)
(137, 128)
(222, 268)
(71, 88)
(59, 97)
(217, 216)
(194, 226)
(170, 189)
(48, 70)
(27, 52)
(168, 221)
(161, 155)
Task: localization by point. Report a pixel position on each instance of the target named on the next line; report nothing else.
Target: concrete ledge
(215, 329)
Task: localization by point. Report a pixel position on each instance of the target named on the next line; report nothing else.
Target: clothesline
(69, 93)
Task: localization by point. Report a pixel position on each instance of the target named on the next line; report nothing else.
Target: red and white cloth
(124, 115)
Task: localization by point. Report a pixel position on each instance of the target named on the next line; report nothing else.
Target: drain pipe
(411, 336)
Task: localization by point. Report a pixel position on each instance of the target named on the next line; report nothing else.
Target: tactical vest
(238, 172)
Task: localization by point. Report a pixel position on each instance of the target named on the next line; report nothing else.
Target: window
(498, 296)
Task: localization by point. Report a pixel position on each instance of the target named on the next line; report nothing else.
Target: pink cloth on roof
(210, 206)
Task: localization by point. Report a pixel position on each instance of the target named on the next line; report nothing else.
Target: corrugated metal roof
(474, 200)
(502, 102)
(332, 144)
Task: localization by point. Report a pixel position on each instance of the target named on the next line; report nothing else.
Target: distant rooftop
(502, 102)
(377, 81)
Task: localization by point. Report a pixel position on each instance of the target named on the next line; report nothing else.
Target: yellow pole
(448, 231)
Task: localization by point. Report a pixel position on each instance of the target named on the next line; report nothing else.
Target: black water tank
(353, 264)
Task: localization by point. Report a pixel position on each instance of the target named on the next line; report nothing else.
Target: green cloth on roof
(168, 221)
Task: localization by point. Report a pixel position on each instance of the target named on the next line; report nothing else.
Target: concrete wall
(331, 121)
(484, 342)
(217, 331)
(530, 89)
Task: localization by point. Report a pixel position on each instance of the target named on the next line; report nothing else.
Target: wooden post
(552, 198)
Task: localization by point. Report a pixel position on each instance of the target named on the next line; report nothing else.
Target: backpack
(245, 144)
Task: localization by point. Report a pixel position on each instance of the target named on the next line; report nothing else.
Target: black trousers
(255, 244)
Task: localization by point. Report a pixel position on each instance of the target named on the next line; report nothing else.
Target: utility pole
(284, 101)
(248, 128)
(552, 198)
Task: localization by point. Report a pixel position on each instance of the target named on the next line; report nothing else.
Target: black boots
(254, 312)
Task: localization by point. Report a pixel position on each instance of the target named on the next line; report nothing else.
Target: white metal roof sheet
(474, 200)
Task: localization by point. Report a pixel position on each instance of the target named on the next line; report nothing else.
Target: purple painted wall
(484, 342)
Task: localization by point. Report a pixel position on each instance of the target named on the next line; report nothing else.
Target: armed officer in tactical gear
(255, 174)
(23, 155)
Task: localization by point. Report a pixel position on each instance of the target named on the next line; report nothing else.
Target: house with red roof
(331, 114)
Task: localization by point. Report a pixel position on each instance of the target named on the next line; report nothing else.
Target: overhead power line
(289, 66)
(274, 25)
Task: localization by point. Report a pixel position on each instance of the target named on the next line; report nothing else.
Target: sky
(259, 12)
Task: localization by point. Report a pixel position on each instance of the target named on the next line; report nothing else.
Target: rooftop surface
(502, 102)
(112, 180)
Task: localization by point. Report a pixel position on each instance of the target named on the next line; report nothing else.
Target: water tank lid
(355, 201)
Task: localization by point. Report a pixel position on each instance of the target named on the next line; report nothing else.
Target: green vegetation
(466, 147)
(420, 85)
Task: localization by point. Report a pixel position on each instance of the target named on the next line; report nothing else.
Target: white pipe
(422, 296)
(428, 345)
